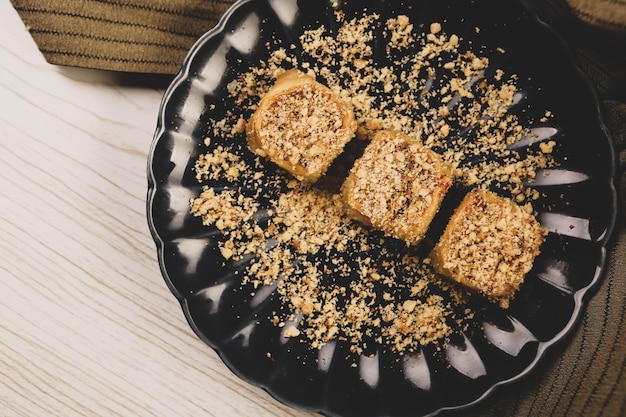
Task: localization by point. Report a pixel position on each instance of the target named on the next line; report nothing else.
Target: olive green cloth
(120, 35)
(584, 375)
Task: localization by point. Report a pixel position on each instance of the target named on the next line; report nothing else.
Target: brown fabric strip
(129, 36)
(602, 13)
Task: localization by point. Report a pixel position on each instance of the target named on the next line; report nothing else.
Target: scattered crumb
(337, 278)
(547, 147)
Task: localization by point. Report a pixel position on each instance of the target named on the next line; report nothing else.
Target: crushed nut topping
(337, 278)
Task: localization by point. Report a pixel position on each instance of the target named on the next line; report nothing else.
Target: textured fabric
(584, 375)
(120, 35)
(605, 14)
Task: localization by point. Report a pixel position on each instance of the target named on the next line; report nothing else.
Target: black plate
(578, 207)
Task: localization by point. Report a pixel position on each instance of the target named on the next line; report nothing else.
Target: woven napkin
(585, 375)
(120, 35)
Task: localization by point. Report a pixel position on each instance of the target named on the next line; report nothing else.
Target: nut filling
(301, 126)
(489, 245)
(397, 186)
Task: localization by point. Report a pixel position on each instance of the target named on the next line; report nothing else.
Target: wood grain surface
(87, 325)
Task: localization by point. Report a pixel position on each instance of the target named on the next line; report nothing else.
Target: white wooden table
(87, 325)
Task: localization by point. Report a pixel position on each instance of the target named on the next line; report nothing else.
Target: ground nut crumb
(334, 278)
(401, 33)
(547, 147)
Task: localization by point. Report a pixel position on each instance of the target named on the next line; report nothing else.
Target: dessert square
(300, 125)
(489, 245)
(397, 186)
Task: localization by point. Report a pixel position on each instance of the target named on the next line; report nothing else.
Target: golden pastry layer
(300, 125)
(397, 186)
(489, 245)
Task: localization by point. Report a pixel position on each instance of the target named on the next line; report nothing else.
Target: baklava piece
(300, 125)
(397, 186)
(489, 245)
